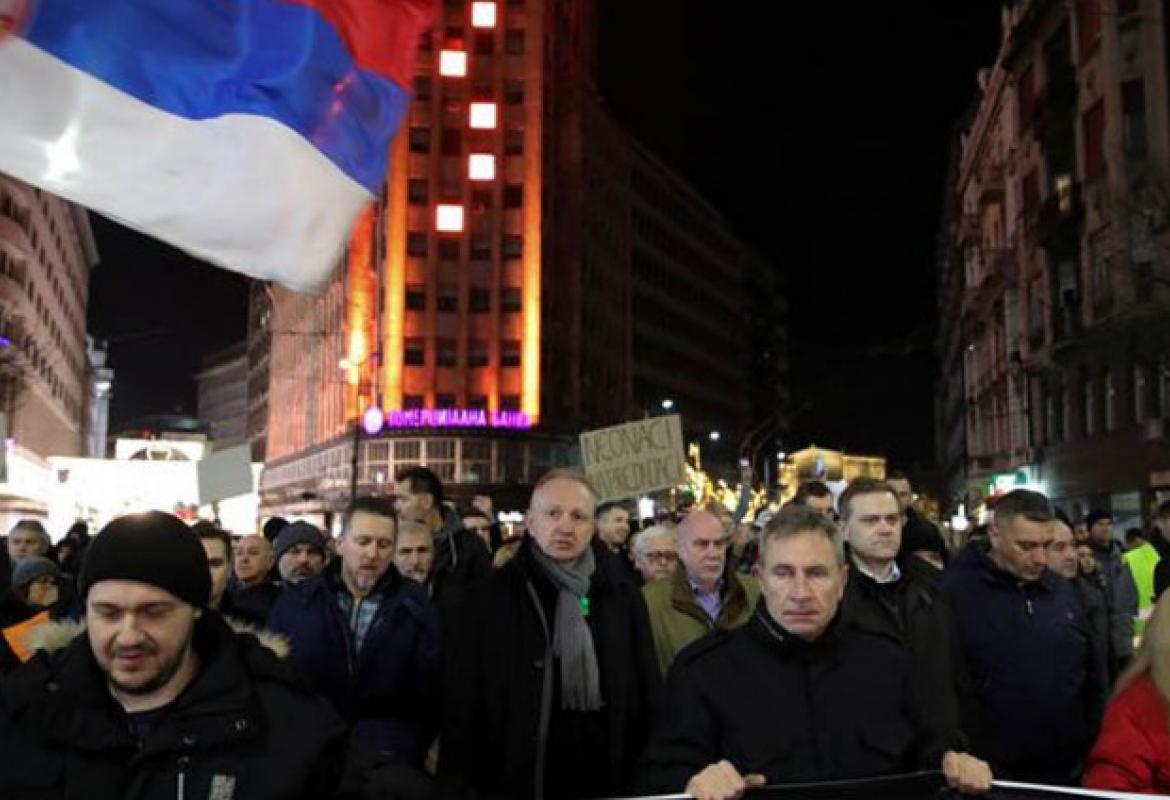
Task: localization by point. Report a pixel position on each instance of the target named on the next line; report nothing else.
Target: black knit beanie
(155, 548)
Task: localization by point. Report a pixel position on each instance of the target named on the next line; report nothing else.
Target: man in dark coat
(551, 672)
(367, 639)
(159, 699)
(898, 599)
(1028, 694)
(795, 695)
(1120, 591)
(461, 557)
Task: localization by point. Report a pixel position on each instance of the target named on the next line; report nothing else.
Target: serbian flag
(249, 133)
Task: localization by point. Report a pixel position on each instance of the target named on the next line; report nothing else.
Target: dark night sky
(823, 136)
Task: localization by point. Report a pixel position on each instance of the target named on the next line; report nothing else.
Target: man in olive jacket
(705, 595)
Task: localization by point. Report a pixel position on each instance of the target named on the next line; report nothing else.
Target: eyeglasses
(662, 558)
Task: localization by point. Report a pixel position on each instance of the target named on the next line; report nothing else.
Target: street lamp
(715, 436)
(667, 404)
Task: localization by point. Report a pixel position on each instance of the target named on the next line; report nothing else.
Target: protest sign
(635, 458)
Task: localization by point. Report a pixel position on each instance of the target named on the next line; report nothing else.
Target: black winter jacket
(246, 727)
(461, 559)
(912, 611)
(844, 706)
(501, 695)
(1030, 687)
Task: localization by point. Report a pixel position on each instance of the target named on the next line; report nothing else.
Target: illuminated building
(498, 297)
(221, 395)
(1055, 264)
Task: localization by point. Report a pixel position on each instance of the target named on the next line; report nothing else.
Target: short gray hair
(642, 540)
(794, 520)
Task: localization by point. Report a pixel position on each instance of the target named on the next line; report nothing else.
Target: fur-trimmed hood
(57, 635)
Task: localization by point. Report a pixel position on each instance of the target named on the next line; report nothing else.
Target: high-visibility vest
(1142, 561)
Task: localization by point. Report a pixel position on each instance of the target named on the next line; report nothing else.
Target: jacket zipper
(181, 780)
(546, 692)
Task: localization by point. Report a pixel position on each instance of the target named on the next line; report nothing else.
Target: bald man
(255, 590)
(704, 595)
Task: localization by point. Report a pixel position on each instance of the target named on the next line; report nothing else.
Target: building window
(513, 245)
(1111, 416)
(1099, 280)
(414, 354)
(416, 244)
(449, 218)
(514, 92)
(510, 402)
(422, 87)
(485, 44)
(410, 402)
(482, 116)
(446, 353)
(483, 15)
(477, 354)
(481, 167)
(416, 297)
(453, 63)
(511, 300)
(1026, 93)
(514, 195)
(452, 143)
(448, 249)
(418, 192)
(481, 247)
(445, 400)
(1133, 118)
(449, 299)
(514, 41)
(1141, 393)
(1052, 410)
(1090, 390)
(510, 354)
(1088, 27)
(480, 301)
(514, 142)
(420, 139)
(477, 402)
(1093, 124)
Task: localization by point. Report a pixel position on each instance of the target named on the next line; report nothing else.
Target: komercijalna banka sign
(457, 418)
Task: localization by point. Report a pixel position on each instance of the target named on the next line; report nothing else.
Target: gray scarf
(572, 639)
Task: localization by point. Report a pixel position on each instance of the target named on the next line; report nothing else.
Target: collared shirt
(360, 616)
(710, 602)
(894, 576)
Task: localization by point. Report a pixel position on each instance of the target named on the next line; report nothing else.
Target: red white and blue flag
(249, 133)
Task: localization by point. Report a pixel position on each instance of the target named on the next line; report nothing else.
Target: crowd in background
(429, 650)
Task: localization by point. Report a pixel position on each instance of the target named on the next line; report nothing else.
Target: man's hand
(721, 782)
(966, 773)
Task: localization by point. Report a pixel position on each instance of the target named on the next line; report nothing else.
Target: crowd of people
(423, 652)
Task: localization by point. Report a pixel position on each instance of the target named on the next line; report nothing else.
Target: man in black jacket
(159, 698)
(461, 558)
(811, 699)
(897, 599)
(551, 671)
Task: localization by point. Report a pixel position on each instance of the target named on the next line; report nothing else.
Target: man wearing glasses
(655, 555)
(705, 595)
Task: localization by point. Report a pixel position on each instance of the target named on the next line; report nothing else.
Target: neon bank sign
(457, 418)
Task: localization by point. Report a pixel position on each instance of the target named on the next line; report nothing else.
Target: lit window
(483, 116)
(449, 218)
(453, 63)
(483, 15)
(481, 167)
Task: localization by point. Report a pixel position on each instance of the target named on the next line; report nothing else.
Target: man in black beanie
(159, 695)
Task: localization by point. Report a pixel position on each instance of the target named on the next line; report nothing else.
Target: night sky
(824, 138)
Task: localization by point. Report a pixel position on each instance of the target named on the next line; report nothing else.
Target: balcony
(970, 229)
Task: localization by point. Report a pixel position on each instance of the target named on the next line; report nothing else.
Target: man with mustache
(367, 638)
(160, 695)
(300, 553)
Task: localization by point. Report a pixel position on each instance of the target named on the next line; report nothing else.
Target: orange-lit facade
(497, 273)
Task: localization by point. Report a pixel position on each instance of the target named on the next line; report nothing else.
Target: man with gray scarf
(551, 675)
